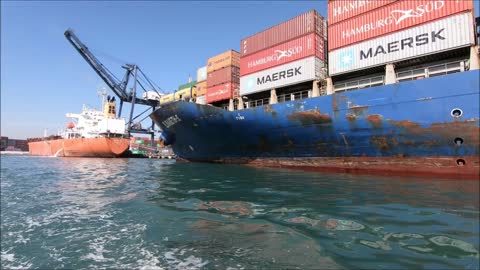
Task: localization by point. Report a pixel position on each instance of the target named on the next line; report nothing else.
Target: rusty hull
(467, 167)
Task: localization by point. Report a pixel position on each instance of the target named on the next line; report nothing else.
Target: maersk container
(339, 10)
(309, 22)
(187, 85)
(306, 69)
(228, 58)
(202, 74)
(221, 92)
(223, 75)
(201, 88)
(442, 35)
(391, 18)
(305, 46)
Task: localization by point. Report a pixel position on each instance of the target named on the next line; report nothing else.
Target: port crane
(118, 87)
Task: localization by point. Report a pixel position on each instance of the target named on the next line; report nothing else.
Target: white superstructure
(92, 123)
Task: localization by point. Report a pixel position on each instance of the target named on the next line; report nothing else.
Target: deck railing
(431, 71)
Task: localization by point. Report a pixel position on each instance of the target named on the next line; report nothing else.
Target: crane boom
(119, 88)
(96, 65)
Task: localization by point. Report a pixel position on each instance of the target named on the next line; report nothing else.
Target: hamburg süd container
(202, 74)
(201, 88)
(223, 75)
(309, 22)
(221, 92)
(302, 70)
(228, 58)
(295, 49)
(391, 18)
(442, 35)
(339, 10)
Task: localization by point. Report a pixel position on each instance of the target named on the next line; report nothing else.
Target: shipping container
(391, 18)
(305, 46)
(202, 74)
(186, 93)
(302, 70)
(228, 58)
(339, 10)
(309, 22)
(223, 75)
(166, 98)
(202, 99)
(221, 92)
(201, 88)
(187, 85)
(434, 37)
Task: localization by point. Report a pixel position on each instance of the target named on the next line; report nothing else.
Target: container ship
(95, 134)
(393, 90)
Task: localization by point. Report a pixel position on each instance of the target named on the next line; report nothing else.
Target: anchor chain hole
(458, 141)
(461, 162)
(456, 112)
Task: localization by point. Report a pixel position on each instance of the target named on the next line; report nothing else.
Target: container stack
(365, 34)
(186, 91)
(223, 76)
(201, 85)
(288, 53)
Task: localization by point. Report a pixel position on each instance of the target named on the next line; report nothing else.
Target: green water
(157, 214)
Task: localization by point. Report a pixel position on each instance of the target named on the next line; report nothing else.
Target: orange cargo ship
(95, 134)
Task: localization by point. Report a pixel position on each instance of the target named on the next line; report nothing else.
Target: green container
(138, 152)
(140, 142)
(187, 85)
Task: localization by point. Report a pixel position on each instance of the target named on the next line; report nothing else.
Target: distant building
(7, 144)
(3, 143)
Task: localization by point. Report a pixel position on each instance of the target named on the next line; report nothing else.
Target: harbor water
(81, 213)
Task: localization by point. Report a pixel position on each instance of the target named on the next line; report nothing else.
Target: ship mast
(102, 93)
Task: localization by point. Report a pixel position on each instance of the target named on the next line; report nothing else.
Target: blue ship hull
(408, 128)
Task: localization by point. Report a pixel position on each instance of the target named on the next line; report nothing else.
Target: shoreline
(14, 153)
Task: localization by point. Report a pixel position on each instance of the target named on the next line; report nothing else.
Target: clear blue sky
(43, 77)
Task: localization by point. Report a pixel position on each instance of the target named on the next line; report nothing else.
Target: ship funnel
(109, 108)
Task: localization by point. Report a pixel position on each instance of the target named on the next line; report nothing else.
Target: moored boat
(95, 134)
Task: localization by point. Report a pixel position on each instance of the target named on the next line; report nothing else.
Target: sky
(43, 77)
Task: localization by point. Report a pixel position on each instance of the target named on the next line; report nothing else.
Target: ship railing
(431, 71)
(258, 102)
(280, 98)
(358, 84)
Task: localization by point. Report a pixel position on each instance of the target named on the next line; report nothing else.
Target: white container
(202, 74)
(201, 100)
(151, 95)
(302, 70)
(442, 35)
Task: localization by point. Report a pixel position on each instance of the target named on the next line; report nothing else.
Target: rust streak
(310, 117)
(350, 117)
(375, 120)
(268, 108)
(358, 109)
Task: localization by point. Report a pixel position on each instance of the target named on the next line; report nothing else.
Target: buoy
(70, 125)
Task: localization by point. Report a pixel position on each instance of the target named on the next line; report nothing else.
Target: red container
(339, 10)
(394, 17)
(309, 22)
(308, 45)
(223, 75)
(221, 92)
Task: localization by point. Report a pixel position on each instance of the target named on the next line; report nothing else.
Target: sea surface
(83, 213)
